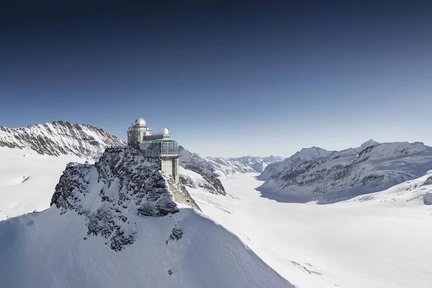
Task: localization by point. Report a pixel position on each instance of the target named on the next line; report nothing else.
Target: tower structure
(159, 147)
(137, 132)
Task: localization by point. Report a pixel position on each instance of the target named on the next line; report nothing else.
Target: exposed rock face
(120, 183)
(327, 176)
(59, 138)
(211, 168)
(204, 167)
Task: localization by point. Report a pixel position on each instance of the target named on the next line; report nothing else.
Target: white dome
(166, 131)
(140, 122)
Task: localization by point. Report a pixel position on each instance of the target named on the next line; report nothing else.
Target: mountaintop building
(160, 147)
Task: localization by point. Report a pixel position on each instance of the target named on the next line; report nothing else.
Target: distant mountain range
(312, 174)
(315, 174)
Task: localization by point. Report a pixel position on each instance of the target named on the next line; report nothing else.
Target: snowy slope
(339, 175)
(375, 240)
(28, 179)
(32, 159)
(118, 223)
(415, 192)
(203, 167)
(59, 138)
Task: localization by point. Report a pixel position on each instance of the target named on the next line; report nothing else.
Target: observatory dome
(140, 122)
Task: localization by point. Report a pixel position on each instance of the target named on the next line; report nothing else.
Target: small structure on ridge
(160, 147)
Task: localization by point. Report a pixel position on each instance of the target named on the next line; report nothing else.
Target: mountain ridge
(339, 175)
(59, 138)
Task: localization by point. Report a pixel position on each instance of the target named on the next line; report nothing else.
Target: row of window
(158, 148)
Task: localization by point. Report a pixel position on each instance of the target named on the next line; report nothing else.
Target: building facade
(160, 147)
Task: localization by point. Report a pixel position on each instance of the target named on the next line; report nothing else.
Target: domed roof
(140, 122)
(166, 131)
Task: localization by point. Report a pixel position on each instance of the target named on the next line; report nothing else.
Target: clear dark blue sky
(227, 77)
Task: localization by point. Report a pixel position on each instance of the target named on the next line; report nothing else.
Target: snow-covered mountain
(122, 223)
(33, 158)
(204, 172)
(248, 163)
(305, 154)
(59, 138)
(415, 192)
(329, 176)
(126, 184)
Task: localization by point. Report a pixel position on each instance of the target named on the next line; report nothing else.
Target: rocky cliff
(125, 183)
(59, 138)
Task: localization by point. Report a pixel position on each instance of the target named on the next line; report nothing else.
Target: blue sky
(228, 78)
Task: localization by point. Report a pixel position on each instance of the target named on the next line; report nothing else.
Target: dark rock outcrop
(120, 186)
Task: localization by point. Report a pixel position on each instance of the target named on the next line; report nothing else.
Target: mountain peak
(59, 138)
(112, 189)
(368, 143)
(311, 153)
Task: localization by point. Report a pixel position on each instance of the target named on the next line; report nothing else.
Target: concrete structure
(159, 147)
